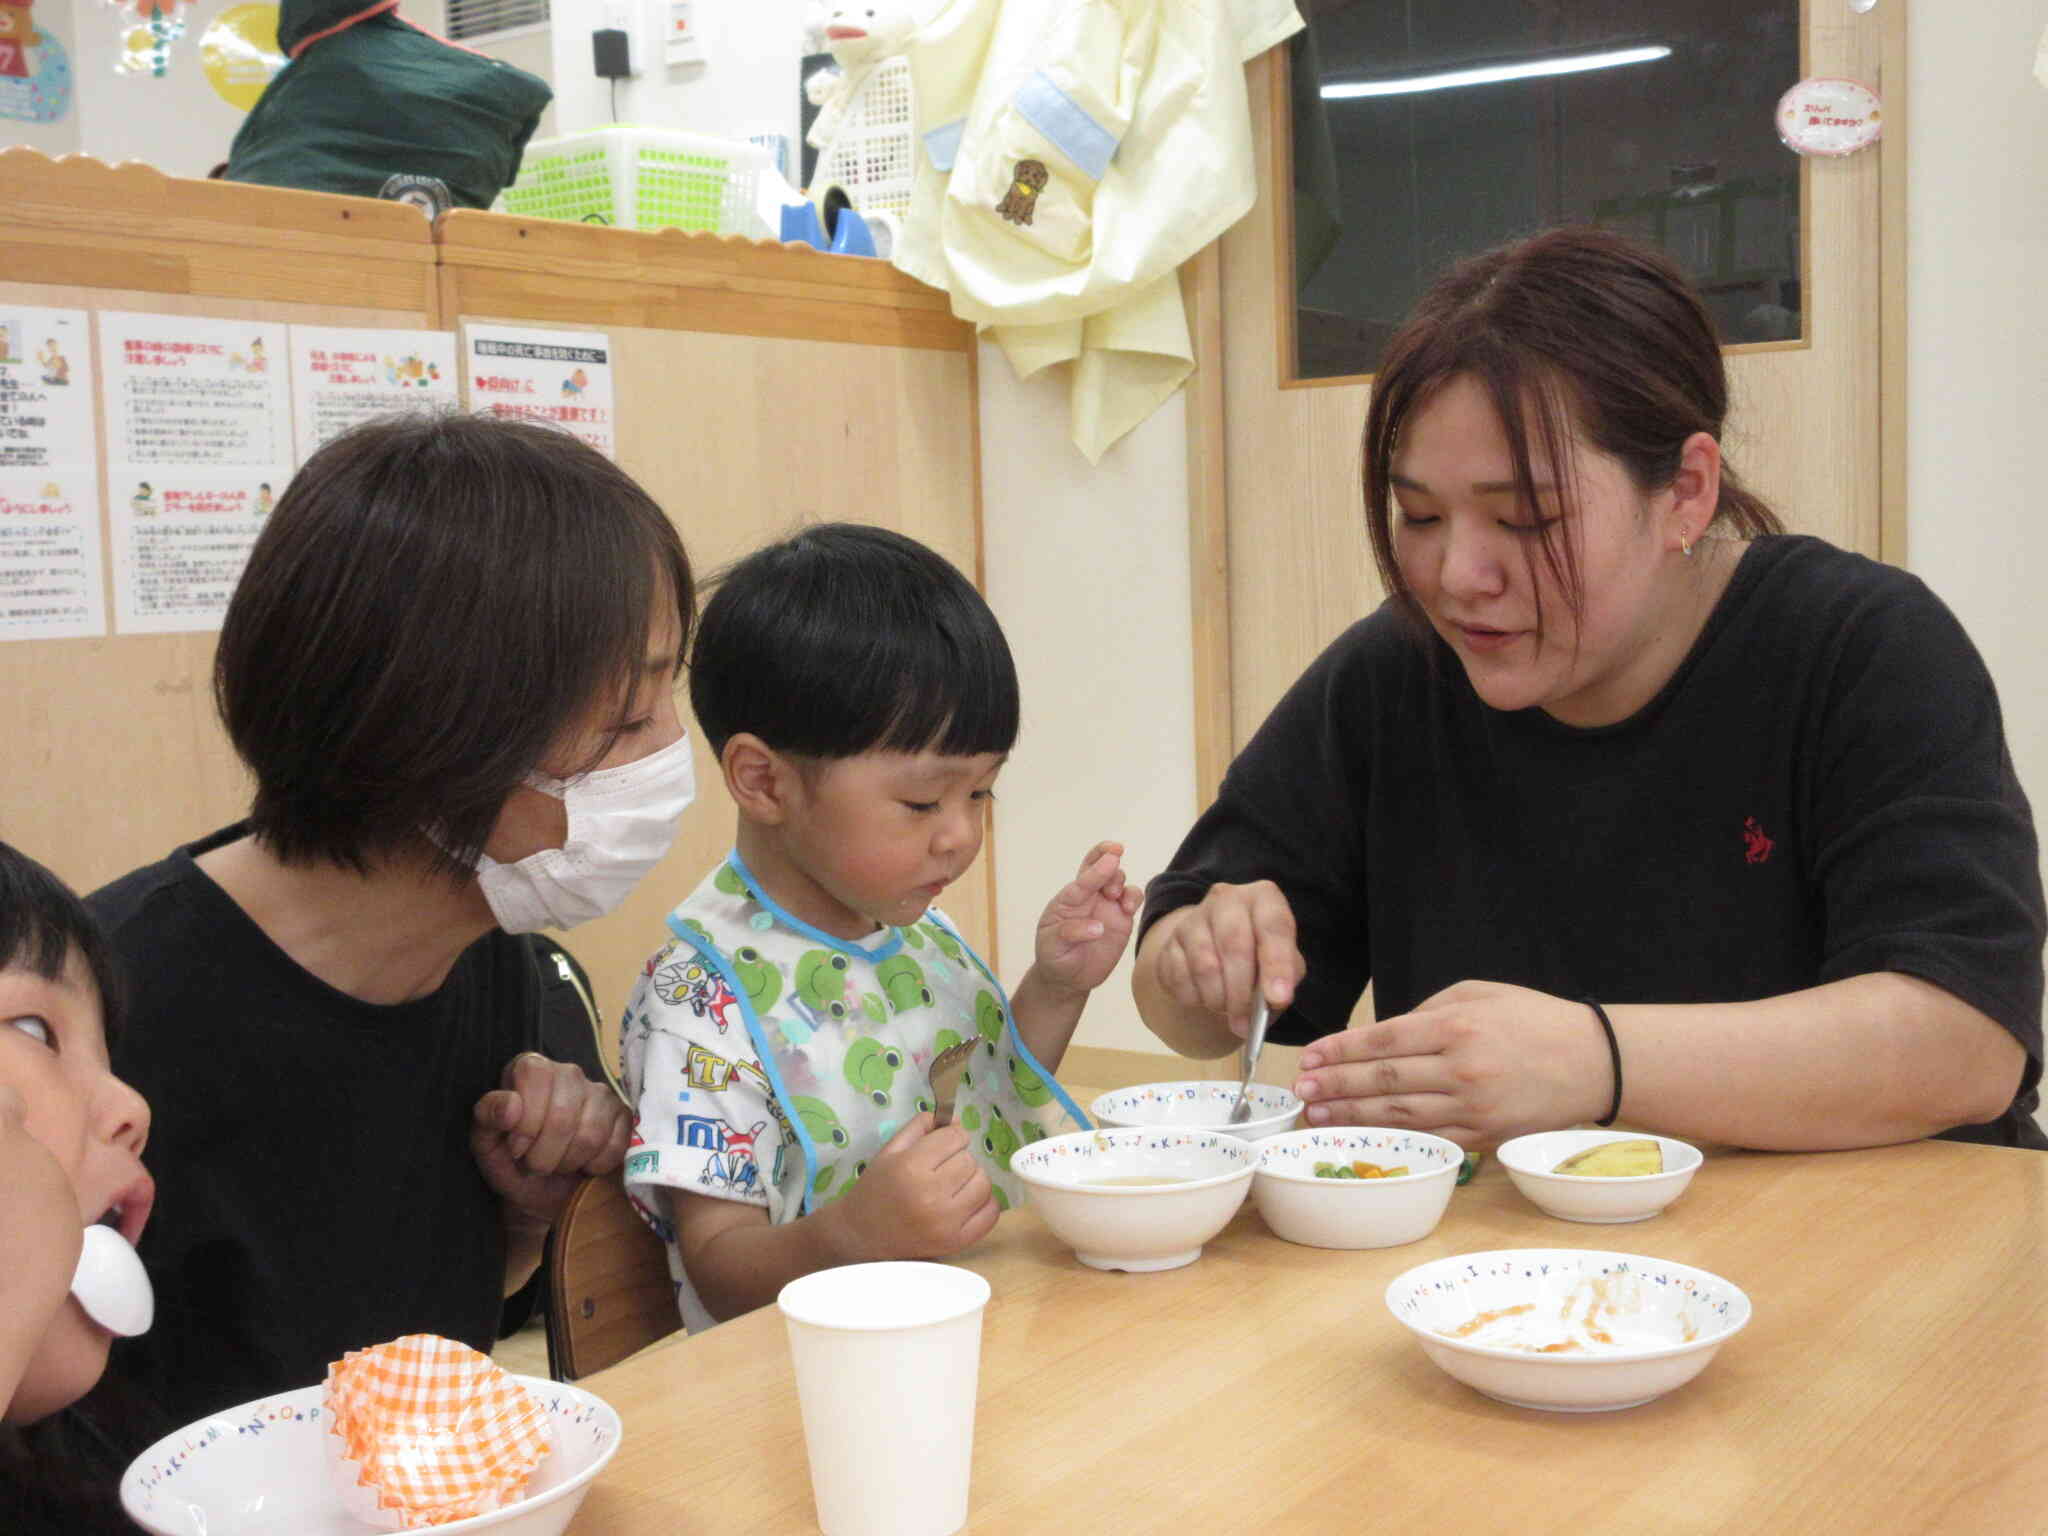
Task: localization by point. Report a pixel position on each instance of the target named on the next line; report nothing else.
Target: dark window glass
(1661, 127)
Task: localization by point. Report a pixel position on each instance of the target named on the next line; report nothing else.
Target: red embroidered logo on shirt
(1756, 845)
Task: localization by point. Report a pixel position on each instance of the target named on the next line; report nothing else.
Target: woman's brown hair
(434, 605)
(1598, 338)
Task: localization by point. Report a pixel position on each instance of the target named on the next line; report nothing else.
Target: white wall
(1088, 572)
(176, 122)
(53, 18)
(1977, 344)
(747, 83)
(533, 50)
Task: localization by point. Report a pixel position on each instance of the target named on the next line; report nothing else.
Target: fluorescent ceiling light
(1493, 74)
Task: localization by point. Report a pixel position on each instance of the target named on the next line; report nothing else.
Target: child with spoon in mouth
(73, 1193)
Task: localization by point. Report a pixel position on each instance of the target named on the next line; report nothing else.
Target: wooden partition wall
(114, 750)
(758, 388)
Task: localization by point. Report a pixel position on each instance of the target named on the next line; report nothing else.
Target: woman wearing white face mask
(450, 667)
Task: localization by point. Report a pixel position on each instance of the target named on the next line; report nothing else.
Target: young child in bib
(861, 700)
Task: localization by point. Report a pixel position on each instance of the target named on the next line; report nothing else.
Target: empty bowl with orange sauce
(1568, 1329)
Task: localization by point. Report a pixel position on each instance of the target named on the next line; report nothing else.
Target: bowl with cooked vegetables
(1567, 1329)
(1599, 1176)
(1355, 1186)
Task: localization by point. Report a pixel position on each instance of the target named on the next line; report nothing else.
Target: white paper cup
(887, 1360)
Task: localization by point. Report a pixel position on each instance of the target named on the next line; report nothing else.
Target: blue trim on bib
(942, 144)
(1069, 129)
(715, 958)
(881, 951)
(1010, 1022)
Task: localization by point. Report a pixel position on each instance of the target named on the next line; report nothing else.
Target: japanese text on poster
(45, 389)
(342, 378)
(51, 587)
(198, 447)
(51, 581)
(563, 378)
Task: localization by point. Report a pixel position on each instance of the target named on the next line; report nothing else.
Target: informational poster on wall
(199, 443)
(563, 378)
(51, 585)
(342, 378)
(51, 581)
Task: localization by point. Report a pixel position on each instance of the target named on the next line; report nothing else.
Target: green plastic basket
(640, 178)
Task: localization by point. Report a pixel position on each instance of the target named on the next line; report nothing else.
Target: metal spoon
(1254, 1038)
(947, 1068)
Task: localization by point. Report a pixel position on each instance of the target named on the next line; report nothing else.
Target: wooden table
(1894, 1379)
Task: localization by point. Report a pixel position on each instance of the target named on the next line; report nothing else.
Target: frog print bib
(846, 1032)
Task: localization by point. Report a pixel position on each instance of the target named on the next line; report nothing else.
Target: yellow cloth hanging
(1073, 153)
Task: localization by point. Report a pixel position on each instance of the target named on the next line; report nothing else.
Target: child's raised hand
(923, 1197)
(39, 1214)
(1084, 929)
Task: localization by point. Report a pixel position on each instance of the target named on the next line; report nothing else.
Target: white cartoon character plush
(861, 36)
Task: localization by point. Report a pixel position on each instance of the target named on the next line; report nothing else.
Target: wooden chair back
(609, 1292)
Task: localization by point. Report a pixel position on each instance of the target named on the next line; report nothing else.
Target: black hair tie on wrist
(1613, 1054)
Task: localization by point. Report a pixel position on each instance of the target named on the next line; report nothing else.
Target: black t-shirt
(315, 1187)
(1822, 790)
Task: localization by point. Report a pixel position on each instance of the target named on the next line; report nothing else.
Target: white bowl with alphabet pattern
(266, 1467)
(1567, 1329)
(1199, 1105)
(1319, 1211)
(1531, 1162)
(1137, 1198)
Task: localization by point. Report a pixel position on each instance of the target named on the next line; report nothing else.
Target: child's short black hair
(435, 603)
(42, 922)
(847, 639)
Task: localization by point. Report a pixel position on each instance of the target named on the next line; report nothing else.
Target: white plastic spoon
(111, 1284)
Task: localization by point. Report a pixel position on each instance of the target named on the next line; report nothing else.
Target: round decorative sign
(239, 53)
(1829, 117)
(41, 92)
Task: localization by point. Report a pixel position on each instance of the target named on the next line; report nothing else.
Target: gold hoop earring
(1685, 546)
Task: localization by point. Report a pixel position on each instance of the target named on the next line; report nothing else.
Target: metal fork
(1254, 1039)
(946, 1070)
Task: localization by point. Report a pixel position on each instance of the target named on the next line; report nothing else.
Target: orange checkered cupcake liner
(426, 1430)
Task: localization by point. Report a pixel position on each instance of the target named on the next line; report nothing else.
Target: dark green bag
(367, 97)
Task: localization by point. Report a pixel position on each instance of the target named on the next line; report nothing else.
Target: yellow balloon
(239, 53)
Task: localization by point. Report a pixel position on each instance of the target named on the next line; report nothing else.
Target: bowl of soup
(1200, 1105)
(1568, 1329)
(1355, 1186)
(1137, 1198)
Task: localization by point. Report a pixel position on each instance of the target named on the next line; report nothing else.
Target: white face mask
(622, 822)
